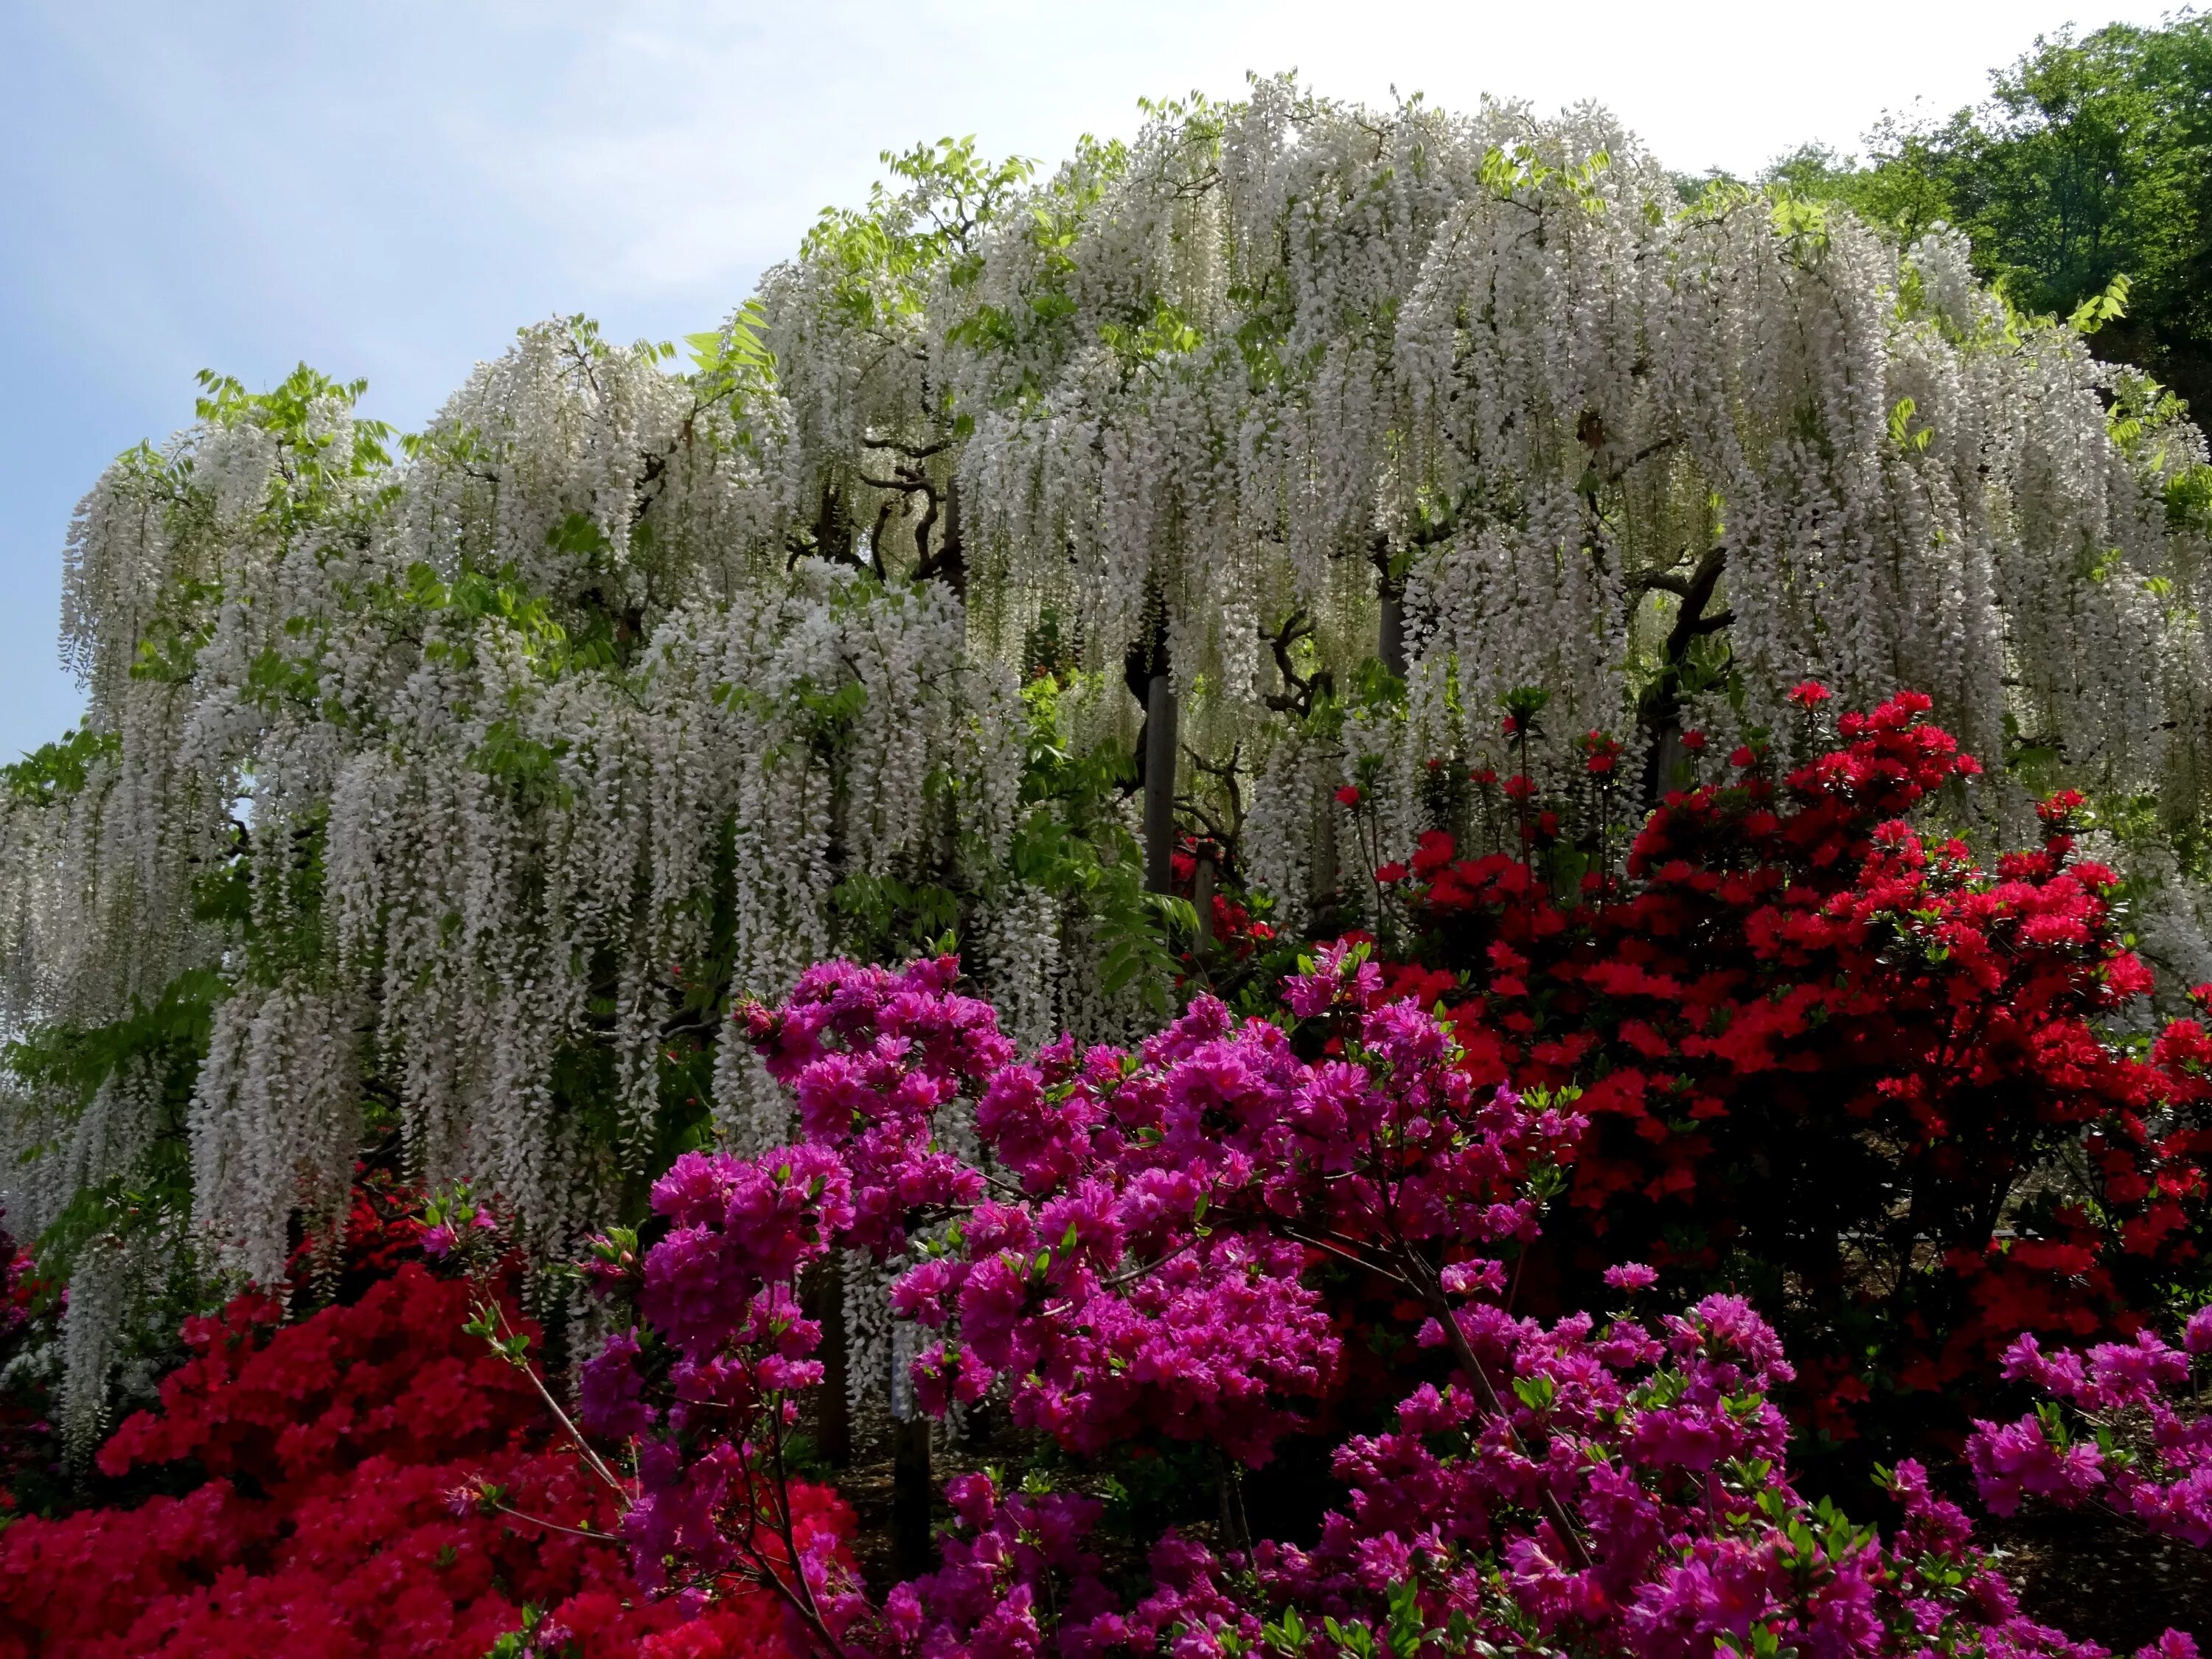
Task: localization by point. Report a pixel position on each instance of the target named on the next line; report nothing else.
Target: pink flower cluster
(720, 1290)
(1139, 1256)
(2142, 1456)
(1143, 1264)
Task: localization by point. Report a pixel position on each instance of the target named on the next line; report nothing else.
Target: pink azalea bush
(1160, 1246)
(2161, 1473)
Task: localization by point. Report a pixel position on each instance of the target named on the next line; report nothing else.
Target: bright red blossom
(325, 1527)
(1789, 971)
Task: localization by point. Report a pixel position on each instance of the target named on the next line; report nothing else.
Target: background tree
(2087, 163)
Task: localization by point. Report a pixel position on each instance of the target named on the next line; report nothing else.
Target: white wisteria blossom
(454, 792)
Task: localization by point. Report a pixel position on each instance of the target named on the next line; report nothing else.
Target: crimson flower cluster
(1822, 1053)
(369, 1481)
(27, 1442)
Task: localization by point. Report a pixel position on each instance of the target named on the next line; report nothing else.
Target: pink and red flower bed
(325, 1519)
(1666, 1272)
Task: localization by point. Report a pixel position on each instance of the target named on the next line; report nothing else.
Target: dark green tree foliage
(2092, 160)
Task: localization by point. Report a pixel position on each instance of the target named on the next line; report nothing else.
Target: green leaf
(59, 769)
(2093, 313)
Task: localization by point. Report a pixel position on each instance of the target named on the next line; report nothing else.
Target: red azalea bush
(1850, 1072)
(376, 1481)
(27, 1445)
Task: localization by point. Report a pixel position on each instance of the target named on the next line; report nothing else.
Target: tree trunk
(1663, 762)
(1161, 747)
(951, 562)
(833, 527)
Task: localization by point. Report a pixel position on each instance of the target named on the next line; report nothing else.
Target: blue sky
(387, 189)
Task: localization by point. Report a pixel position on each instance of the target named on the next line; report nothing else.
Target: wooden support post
(1161, 749)
(1201, 898)
(825, 1293)
(1392, 644)
(1321, 879)
(913, 1549)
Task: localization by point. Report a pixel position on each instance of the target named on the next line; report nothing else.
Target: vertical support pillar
(1392, 644)
(1162, 747)
(913, 1551)
(1202, 899)
(834, 1425)
(1321, 879)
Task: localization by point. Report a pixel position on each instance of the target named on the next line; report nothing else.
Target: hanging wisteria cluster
(458, 786)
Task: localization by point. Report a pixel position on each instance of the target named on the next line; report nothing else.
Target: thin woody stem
(802, 1597)
(552, 1526)
(1433, 1292)
(1350, 1255)
(521, 1363)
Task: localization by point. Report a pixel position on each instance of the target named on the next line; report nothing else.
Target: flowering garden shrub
(26, 1448)
(324, 1458)
(1838, 1065)
(1161, 1249)
(2160, 1474)
(1476, 1226)
(1300, 430)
